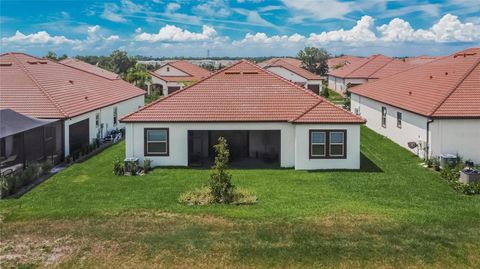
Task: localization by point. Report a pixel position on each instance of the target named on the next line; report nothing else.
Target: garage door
(173, 89)
(78, 135)
(314, 88)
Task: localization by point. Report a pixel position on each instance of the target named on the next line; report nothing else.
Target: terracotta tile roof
(373, 67)
(446, 87)
(243, 92)
(422, 59)
(45, 89)
(76, 63)
(292, 61)
(195, 72)
(345, 59)
(281, 62)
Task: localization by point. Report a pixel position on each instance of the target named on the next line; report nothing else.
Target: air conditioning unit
(448, 159)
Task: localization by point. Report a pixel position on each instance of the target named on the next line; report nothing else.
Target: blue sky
(239, 27)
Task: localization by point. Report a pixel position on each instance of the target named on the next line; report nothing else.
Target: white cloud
(362, 32)
(448, 29)
(318, 9)
(41, 37)
(213, 8)
(171, 33)
(111, 12)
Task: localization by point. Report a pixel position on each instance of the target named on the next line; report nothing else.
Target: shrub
(201, 196)
(68, 159)
(147, 165)
(46, 167)
(220, 180)
(118, 168)
(131, 168)
(436, 163)
(324, 92)
(5, 187)
(204, 196)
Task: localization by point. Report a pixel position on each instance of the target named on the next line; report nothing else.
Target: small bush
(220, 180)
(132, 168)
(5, 187)
(324, 92)
(118, 167)
(204, 196)
(46, 167)
(147, 165)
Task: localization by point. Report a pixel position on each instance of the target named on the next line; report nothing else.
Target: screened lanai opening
(248, 148)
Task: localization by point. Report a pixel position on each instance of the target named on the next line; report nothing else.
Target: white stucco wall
(287, 74)
(294, 152)
(339, 84)
(456, 136)
(414, 126)
(106, 117)
(302, 140)
(168, 70)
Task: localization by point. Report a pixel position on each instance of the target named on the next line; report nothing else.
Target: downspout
(428, 140)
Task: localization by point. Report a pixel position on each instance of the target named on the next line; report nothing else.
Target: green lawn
(335, 97)
(393, 213)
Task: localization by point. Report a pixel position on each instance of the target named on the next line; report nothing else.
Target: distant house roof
(293, 66)
(76, 63)
(343, 60)
(195, 72)
(13, 122)
(292, 61)
(45, 89)
(421, 59)
(243, 92)
(373, 67)
(446, 87)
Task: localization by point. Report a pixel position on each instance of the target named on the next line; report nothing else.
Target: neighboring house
(421, 59)
(365, 70)
(88, 105)
(25, 140)
(435, 105)
(290, 69)
(266, 119)
(337, 62)
(174, 76)
(76, 63)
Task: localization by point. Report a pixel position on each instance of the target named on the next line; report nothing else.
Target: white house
(89, 105)
(290, 69)
(267, 120)
(432, 109)
(174, 76)
(365, 70)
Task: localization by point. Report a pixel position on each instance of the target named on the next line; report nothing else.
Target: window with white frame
(337, 144)
(97, 120)
(384, 117)
(318, 141)
(399, 119)
(156, 142)
(328, 144)
(115, 116)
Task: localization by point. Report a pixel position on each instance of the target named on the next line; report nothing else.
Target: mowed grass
(393, 213)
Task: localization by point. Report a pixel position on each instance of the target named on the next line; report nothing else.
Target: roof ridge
(176, 61)
(60, 109)
(360, 66)
(455, 87)
(177, 92)
(381, 67)
(306, 111)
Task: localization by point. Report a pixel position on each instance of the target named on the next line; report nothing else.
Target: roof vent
(32, 62)
(410, 93)
(42, 62)
(431, 76)
(464, 54)
(71, 81)
(86, 98)
(446, 73)
(6, 64)
(250, 72)
(232, 72)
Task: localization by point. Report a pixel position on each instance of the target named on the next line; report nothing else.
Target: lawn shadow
(366, 165)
